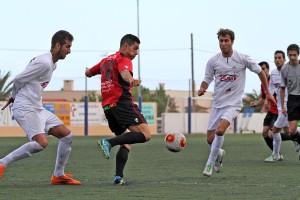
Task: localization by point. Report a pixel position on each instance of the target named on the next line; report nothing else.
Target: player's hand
(252, 104)
(201, 92)
(283, 110)
(270, 97)
(88, 73)
(10, 100)
(135, 82)
(267, 106)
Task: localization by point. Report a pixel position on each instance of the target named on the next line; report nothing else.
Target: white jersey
(275, 80)
(229, 74)
(29, 84)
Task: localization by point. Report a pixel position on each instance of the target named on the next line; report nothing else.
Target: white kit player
(228, 69)
(34, 119)
(282, 121)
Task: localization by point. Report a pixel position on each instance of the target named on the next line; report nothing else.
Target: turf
(153, 172)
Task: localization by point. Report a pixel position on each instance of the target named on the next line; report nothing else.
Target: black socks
(269, 142)
(121, 159)
(127, 138)
(285, 137)
(296, 137)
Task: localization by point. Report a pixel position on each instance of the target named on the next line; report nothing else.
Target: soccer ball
(175, 142)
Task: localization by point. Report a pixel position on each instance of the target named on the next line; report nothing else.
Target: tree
(172, 107)
(5, 88)
(159, 96)
(146, 94)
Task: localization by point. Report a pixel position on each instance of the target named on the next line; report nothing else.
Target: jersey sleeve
(124, 63)
(283, 76)
(272, 84)
(252, 65)
(209, 72)
(263, 94)
(35, 70)
(96, 69)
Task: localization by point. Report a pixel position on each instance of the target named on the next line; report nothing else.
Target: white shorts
(282, 120)
(35, 121)
(228, 113)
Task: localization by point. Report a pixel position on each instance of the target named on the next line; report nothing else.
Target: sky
(163, 26)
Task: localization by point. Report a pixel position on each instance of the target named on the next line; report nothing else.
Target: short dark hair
(223, 32)
(280, 51)
(60, 37)
(129, 39)
(293, 47)
(264, 63)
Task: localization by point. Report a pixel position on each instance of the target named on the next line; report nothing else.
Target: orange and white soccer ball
(175, 142)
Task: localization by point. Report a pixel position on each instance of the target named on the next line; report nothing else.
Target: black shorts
(270, 119)
(122, 115)
(293, 107)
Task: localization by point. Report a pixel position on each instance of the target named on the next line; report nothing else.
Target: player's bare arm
(203, 88)
(265, 84)
(126, 75)
(258, 103)
(282, 95)
(10, 100)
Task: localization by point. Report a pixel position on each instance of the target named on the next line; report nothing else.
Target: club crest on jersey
(228, 90)
(44, 84)
(227, 77)
(276, 85)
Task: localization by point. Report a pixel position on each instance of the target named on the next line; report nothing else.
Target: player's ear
(126, 45)
(57, 46)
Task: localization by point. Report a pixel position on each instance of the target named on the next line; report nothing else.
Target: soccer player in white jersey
(290, 81)
(34, 119)
(281, 121)
(228, 69)
(272, 111)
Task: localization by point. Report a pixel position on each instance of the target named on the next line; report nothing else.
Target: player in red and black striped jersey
(120, 110)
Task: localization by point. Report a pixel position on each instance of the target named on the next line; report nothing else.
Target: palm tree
(5, 88)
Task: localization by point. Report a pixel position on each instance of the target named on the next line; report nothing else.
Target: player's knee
(220, 131)
(43, 144)
(127, 146)
(37, 147)
(209, 141)
(265, 132)
(210, 136)
(147, 136)
(68, 139)
(292, 130)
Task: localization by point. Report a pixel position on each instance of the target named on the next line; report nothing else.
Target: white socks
(215, 148)
(276, 143)
(24, 151)
(63, 152)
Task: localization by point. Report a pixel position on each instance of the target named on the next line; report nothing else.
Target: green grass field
(155, 173)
